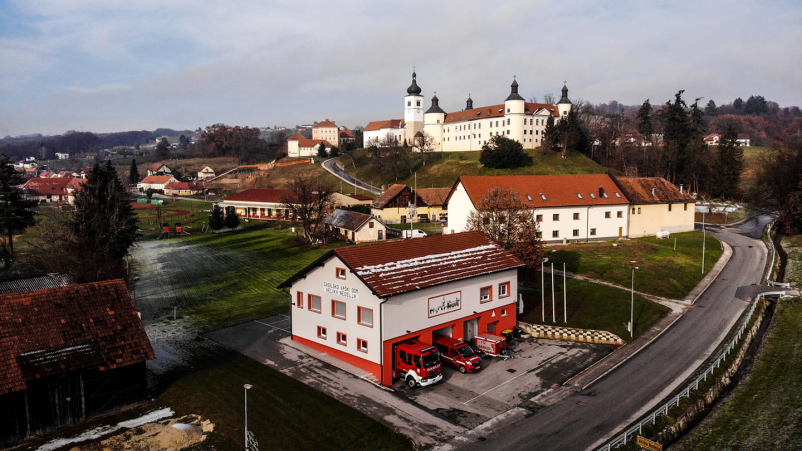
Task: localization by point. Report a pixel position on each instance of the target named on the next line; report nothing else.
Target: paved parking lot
(428, 415)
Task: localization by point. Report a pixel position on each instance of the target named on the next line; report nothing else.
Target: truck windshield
(431, 359)
(466, 351)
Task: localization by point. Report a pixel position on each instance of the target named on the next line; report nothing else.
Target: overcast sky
(108, 65)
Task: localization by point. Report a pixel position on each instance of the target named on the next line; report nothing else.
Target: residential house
(656, 206)
(159, 169)
(183, 188)
(35, 283)
(327, 131)
(260, 203)
(206, 173)
(712, 139)
(157, 182)
(356, 227)
(355, 304)
(346, 136)
(68, 354)
(376, 133)
(298, 146)
(347, 200)
(56, 189)
(743, 139)
(393, 205)
(62, 156)
(568, 208)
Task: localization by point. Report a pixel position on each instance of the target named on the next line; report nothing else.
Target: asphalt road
(331, 166)
(585, 419)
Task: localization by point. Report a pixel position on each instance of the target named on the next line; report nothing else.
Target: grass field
(590, 306)
(763, 413)
(189, 213)
(282, 412)
(662, 271)
(431, 228)
(443, 168)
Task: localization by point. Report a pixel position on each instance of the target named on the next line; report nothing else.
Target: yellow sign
(649, 445)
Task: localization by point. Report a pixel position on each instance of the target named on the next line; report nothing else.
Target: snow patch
(149, 417)
(183, 426)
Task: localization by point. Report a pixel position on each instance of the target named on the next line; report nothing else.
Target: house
(327, 131)
(35, 283)
(68, 354)
(346, 136)
(361, 199)
(56, 189)
(471, 128)
(260, 203)
(157, 182)
(159, 169)
(656, 206)
(357, 303)
(355, 227)
(183, 188)
(206, 173)
(346, 200)
(393, 205)
(298, 146)
(62, 156)
(712, 139)
(743, 139)
(568, 208)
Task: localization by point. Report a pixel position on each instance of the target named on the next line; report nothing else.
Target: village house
(327, 131)
(206, 173)
(357, 303)
(265, 203)
(157, 182)
(392, 206)
(68, 354)
(183, 188)
(62, 156)
(159, 169)
(346, 136)
(656, 206)
(298, 146)
(355, 227)
(568, 208)
(54, 189)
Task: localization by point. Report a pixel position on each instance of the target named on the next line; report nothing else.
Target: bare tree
(311, 201)
(510, 222)
(424, 146)
(550, 99)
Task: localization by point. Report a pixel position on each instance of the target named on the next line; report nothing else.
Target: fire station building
(356, 303)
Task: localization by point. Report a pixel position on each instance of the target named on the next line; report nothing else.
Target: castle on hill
(470, 128)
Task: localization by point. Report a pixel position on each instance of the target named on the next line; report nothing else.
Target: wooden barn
(67, 354)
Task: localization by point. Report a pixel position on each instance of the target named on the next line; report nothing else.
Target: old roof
(184, 186)
(397, 267)
(36, 283)
(497, 111)
(157, 179)
(345, 133)
(58, 330)
(434, 196)
(513, 92)
(378, 125)
(264, 195)
(326, 123)
(304, 142)
(360, 197)
(652, 190)
(49, 186)
(388, 195)
(564, 98)
(347, 219)
(157, 166)
(548, 190)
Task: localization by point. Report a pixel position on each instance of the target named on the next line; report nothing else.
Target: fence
(693, 385)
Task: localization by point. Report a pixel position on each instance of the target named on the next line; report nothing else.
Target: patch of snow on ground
(101, 431)
(717, 208)
(183, 426)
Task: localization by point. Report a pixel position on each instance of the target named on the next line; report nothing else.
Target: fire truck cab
(458, 353)
(417, 363)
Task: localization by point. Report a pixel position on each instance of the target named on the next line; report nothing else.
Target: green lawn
(763, 413)
(282, 412)
(189, 213)
(443, 168)
(662, 271)
(590, 306)
(431, 228)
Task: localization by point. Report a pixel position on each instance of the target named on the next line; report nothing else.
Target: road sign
(649, 445)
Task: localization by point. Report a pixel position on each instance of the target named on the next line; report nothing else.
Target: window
(496, 123)
(503, 312)
(365, 316)
(491, 327)
(686, 206)
(314, 303)
(486, 294)
(409, 103)
(361, 345)
(503, 289)
(418, 102)
(638, 210)
(508, 123)
(542, 196)
(508, 110)
(321, 332)
(539, 218)
(633, 210)
(579, 195)
(342, 339)
(370, 225)
(539, 235)
(619, 214)
(576, 216)
(341, 273)
(592, 232)
(576, 232)
(669, 207)
(592, 196)
(555, 217)
(607, 215)
(299, 299)
(508, 132)
(338, 309)
(555, 233)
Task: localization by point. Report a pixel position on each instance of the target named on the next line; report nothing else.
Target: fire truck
(417, 363)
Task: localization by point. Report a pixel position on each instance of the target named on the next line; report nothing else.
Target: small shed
(356, 227)
(67, 354)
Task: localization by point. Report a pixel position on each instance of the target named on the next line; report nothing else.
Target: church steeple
(469, 103)
(514, 91)
(435, 108)
(564, 98)
(414, 89)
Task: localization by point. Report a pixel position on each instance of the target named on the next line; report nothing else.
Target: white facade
(375, 137)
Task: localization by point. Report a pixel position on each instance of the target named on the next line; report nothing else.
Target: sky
(109, 65)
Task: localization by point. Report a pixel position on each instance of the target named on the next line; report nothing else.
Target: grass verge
(663, 270)
(589, 305)
(282, 412)
(431, 228)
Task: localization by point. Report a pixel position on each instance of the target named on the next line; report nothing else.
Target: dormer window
(593, 196)
(542, 196)
(617, 195)
(579, 195)
(529, 198)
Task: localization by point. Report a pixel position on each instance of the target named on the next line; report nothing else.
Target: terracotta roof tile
(326, 123)
(378, 125)
(49, 186)
(157, 179)
(652, 190)
(347, 219)
(434, 196)
(345, 133)
(496, 111)
(360, 197)
(260, 195)
(388, 195)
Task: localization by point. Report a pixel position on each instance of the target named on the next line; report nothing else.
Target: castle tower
(514, 109)
(564, 105)
(433, 119)
(469, 103)
(413, 111)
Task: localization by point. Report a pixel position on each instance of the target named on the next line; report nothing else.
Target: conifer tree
(728, 165)
(232, 218)
(133, 174)
(16, 213)
(217, 219)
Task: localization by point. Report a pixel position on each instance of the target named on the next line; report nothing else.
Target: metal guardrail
(637, 429)
(773, 251)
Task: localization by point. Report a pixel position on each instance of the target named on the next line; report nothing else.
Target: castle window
(418, 102)
(508, 122)
(496, 123)
(508, 110)
(409, 103)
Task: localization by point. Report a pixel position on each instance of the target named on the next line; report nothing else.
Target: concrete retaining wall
(570, 334)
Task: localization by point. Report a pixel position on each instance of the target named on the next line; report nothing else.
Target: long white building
(472, 127)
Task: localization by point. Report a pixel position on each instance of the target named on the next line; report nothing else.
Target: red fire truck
(458, 353)
(417, 363)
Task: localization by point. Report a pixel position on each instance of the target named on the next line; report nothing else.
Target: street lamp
(247, 387)
(704, 238)
(632, 306)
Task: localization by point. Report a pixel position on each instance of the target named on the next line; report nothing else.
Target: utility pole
(553, 308)
(247, 387)
(543, 289)
(565, 296)
(704, 239)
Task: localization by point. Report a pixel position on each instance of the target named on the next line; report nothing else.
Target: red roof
(184, 186)
(378, 125)
(497, 111)
(548, 190)
(44, 187)
(345, 133)
(155, 167)
(400, 266)
(326, 123)
(360, 197)
(157, 179)
(434, 196)
(303, 142)
(273, 196)
(389, 195)
(652, 190)
(58, 330)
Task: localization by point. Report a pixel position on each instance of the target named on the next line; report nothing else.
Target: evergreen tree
(335, 151)
(571, 134)
(551, 135)
(645, 127)
(676, 137)
(710, 109)
(232, 218)
(16, 213)
(729, 164)
(738, 104)
(321, 151)
(216, 219)
(502, 153)
(133, 173)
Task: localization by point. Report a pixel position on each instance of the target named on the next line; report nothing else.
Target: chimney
(681, 189)
(601, 191)
(653, 191)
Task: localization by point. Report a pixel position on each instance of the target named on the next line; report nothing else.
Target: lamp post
(247, 387)
(704, 238)
(632, 306)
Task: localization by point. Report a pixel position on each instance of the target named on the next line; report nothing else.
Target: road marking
(516, 377)
(270, 324)
(274, 327)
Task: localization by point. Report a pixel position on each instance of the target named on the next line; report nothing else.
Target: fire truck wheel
(411, 382)
(503, 351)
(482, 355)
(462, 369)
